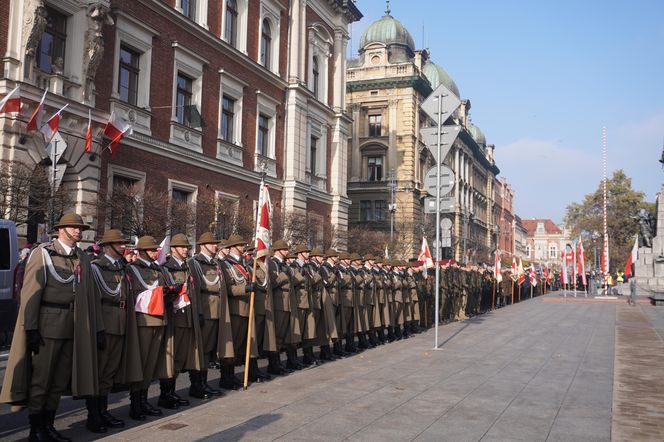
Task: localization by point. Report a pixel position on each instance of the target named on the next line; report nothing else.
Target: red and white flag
(563, 268)
(52, 125)
(387, 253)
(521, 274)
(425, 255)
(581, 261)
(497, 267)
(605, 256)
(11, 102)
(35, 121)
(532, 275)
(164, 249)
(115, 130)
(151, 301)
(183, 298)
(263, 235)
(88, 133)
(515, 268)
(633, 256)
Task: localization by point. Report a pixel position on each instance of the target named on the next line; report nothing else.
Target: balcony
(229, 152)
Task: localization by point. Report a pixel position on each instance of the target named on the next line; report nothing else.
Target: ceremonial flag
(387, 253)
(497, 267)
(115, 130)
(164, 249)
(581, 261)
(425, 255)
(633, 256)
(88, 133)
(11, 102)
(35, 121)
(183, 298)
(532, 276)
(263, 236)
(563, 268)
(515, 268)
(151, 301)
(521, 274)
(52, 125)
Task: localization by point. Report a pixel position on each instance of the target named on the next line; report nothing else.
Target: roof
(389, 31)
(436, 75)
(549, 226)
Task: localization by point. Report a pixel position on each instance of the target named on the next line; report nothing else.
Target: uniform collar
(65, 247)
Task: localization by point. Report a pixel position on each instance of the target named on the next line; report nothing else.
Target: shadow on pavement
(237, 432)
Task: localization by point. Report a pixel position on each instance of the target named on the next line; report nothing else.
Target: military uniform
(345, 291)
(57, 333)
(308, 307)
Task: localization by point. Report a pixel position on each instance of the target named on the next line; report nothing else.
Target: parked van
(8, 263)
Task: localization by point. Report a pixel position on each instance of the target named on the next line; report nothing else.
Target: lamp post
(392, 184)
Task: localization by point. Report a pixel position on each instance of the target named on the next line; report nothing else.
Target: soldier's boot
(166, 400)
(397, 332)
(372, 339)
(146, 407)
(211, 391)
(255, 373)
(339, 349)
(351, 347)
(405, 332)
(37, 428)
(326, 353)
(94, 423)
(274, 366)
(292, 361)
(173, 393)
(49, 419)
(391, 337)
(309, 357)
(227, 379)
(135, 410)
(196, 388)
(109, 420)
(362, 342)
(381, 335)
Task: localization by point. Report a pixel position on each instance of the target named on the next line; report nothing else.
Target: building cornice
(420, 84)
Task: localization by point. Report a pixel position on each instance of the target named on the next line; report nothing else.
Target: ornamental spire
(387, 7)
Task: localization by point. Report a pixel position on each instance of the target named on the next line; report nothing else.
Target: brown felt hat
(235, 240)
(279, 245)
(355, 257)
(302, 249)
(223, 243)
(206, 238)
(250, 248)
(180, 240)
(147, 243)
(71, 220)
(317, 252)
(369, 256)
(113, 236)
(344, 255)
(331, 253)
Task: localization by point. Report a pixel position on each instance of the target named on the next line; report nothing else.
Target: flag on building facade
(88, 133)
(52, 125)
(263, 234)
(632, 258)
(115, 129)
(11, 102)
(35, 121)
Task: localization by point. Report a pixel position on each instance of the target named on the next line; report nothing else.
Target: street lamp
(392, 184)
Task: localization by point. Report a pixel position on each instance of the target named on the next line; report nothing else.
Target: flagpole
(251, 317)
(512, 290)
(439, 160)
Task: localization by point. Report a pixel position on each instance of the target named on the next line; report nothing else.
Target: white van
(8, 263)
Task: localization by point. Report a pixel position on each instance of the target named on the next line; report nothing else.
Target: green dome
(389, 31)
(437, 75)
(477, 134)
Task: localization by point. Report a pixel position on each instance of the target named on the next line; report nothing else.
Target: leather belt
(121, 305)
(68, 306)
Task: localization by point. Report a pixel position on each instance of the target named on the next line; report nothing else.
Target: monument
(649, 267)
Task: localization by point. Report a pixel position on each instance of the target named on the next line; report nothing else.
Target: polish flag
(88, 134)
(633, 256)
(164, 248)
(425, 255)
(515, 268)
(581, 261)
(115, 129)
(183, 298)
(533, 276)
(11, 102)
(151, 301)
(52, 125)
(497, 267)
(521, 274)
(35, 121)
(263, 233)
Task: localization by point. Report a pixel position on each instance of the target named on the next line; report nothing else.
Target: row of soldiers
(88, 327)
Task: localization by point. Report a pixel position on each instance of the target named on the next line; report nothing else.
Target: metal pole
(605, 248)
(54, 159)
(392, 209)
(439, 160)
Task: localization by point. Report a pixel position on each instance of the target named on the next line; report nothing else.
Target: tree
(586, 219)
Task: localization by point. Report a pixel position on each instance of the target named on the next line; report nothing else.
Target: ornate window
(230, 22)
(375, 168)
(375, 123)
(262, 145)
(51, 50)
(315, 76)
(128, 75)
(227, 118)
(313, 157)
(553, 252)
(183, 101)
(266, 44)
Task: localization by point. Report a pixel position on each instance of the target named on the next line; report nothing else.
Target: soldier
(309, 305)
(326, 327)
(384, 292)
(372, 285)
(360, 321)
(331, 278)
(58, 331)
(209, 289)
(346, 289)
(239, 286)
(145, 278)
(286, 323)
(120, 361)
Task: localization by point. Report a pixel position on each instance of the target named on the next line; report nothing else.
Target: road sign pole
(439, 160)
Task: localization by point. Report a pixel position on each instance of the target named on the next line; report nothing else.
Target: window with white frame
(528, 250)
(230, 22)
(50, 54)
(265, 126)
(313, 155)
(263, 135)
(234, 23)
(268, 49)
(187, 93)
(195, 10)
(125, 206)
(553, 252)
(320, 44)
(231, 99)
(182, 207)
(317, 152)
(226, 214)
(183, 103)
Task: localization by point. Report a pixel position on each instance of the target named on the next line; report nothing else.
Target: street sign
(446, 204)
(448, 135)
(58, 143)
(450, 103)
(446, 241)
(446, 180)
(445, 224)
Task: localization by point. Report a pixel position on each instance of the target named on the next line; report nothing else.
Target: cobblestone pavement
(545, 369)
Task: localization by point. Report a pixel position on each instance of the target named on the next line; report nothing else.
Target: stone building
(504, 215)
(386, 86)
(216, 92)
(545, 241)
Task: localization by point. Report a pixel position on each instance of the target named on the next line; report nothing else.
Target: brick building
(216, 92)
(545, 241)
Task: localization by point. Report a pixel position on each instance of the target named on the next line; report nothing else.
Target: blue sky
(543, 77)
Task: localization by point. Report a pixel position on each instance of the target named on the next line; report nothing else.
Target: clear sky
(543, 77)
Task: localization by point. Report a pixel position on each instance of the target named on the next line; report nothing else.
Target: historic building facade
(504, 215)
(545, 241)
(217, 93)
(388, 159)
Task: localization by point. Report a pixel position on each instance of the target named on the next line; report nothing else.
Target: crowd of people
(120, 320)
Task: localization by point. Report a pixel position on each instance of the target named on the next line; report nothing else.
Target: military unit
(122, 321)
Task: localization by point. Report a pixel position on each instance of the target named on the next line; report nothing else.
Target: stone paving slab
(538, 370)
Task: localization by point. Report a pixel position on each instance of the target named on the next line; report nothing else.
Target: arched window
(315, 76)
(266, 43)
(230, 26)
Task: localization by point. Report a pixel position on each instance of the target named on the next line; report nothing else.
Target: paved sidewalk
(538, 370)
